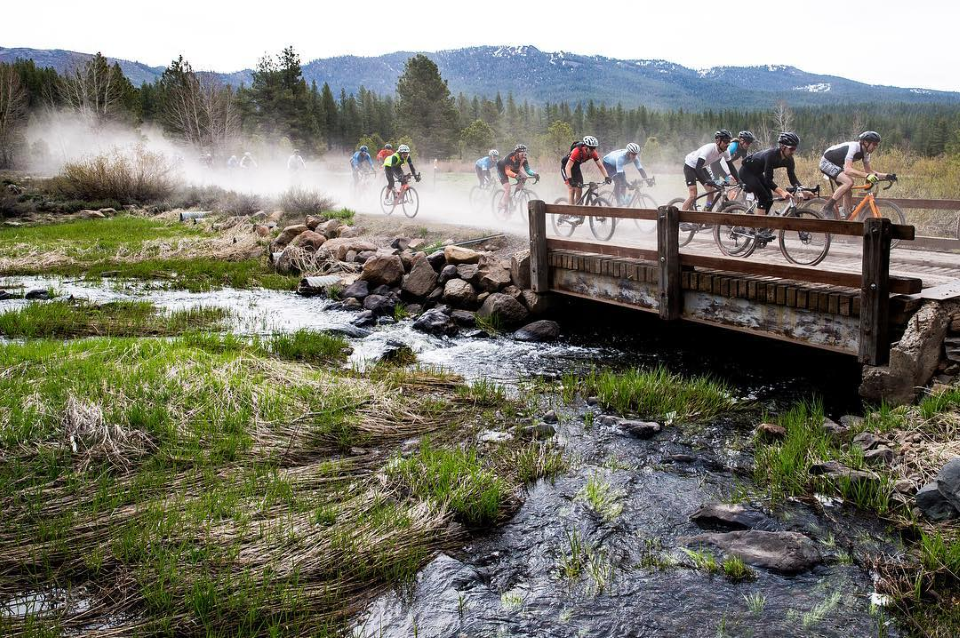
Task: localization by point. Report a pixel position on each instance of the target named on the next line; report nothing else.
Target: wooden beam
(539, 266)
(649, 214)
(668, 249)
(602, 249)
(875, 293)
(834, 227)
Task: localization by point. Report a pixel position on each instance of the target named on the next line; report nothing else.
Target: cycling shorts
(576, 175)
(690, 175)
(829, 169)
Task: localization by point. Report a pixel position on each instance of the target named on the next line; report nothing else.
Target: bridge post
(875, 293)
(539, 266)
(668, 249)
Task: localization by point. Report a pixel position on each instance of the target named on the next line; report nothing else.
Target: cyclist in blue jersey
(359, 158)
(614, 163)
(485, 164)
(738, 150)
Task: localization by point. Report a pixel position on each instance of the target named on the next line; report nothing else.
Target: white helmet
(633, 147)
(403, 149)
(494, 153)
(591, 141)
(520, 148)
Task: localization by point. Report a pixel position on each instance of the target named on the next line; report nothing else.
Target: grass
(703, 560)
(813, 617)
(736, 570)
(655, 394)
(309, 346)
(602, 498)
(70, 319)
(582, 558)
(755, 603)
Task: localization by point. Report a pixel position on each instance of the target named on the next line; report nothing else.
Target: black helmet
(747, 136)
(788, 138)
(722, 134)
(870, 136)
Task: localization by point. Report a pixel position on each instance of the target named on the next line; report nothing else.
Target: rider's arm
(792, 173)
(732, 170)
(370, 162)
(413, 171)
(568, 169)
(526, 169)
(603, 171)
(702, 172)
(636, 162)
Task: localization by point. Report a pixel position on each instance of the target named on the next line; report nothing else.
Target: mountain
(540, 76)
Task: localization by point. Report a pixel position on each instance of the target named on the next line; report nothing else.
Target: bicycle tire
(410, 201)
(735, 241)
(385, 206)
(476, 198)
(602, 227)
(644, 201)
(686, 236)
(560, 223)
(804, 248)
(523, 202)
(888, 210)
(503, 214)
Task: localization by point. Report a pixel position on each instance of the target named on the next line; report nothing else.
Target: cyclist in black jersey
(837, 164)
(756, 174)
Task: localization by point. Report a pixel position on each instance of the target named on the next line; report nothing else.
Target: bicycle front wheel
(602, 227)
(500, 211)
(733, 240)
(563, 225)
(887, 210)
(687, 231)
(522, 202)
(804, 247)
(410, 203)
(387, 201)
(644, 201)
(477, 196)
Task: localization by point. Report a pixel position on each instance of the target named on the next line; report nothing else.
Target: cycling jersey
(581, 154)
(295, 163)
(360, 157)
(615, 161)
(840, 154)
(762, 165)
(384, 154)
(485, 163)
(395, 161)
(510, 166)
(703, 156)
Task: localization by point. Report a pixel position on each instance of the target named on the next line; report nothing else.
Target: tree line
(200, 111)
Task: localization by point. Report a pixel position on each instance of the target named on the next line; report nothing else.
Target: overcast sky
(910, 43)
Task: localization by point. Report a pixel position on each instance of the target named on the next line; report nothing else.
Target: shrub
(141, 176)
(241, 204)
(304, 201)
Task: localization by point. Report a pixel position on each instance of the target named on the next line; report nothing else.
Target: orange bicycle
(869, 205)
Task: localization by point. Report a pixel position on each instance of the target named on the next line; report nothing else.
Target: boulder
(460, 255)
(358, 290)
(539, 331)
(640, 429)
(379, 304)
(309, 240)
(435, 322)
(364, 319)
(397, 353)
(38, 294)
(421, 279)
(400, 243)
(414, 309)
(514, 292)
(363, 256)
(933, 504)
(464, 318)
(340, 246)
(91, 214)
(434, 297)
(770, 432)
(289, 260)
(835, 429)
(469, 272)
(727, 516)
(382, 269)
(536, 303)
(437, 260)
(482, 297)
(348, 231)
(286, 236)
(383, 290)
(458, 292)
(493, 277)
(330, 228)
(880, 456)
(351, 303)
(261, 230)
(520, 269)
(948, 481)
(504, 309)
(407, 258)
(447, 273)
(783, 552)
(311, 222)
(5, 294)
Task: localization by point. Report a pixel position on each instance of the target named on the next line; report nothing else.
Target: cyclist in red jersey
(570, 166)
(385, 152)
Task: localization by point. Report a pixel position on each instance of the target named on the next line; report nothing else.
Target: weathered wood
(668, 249)
(602, 249)
(539, 268)
(875, 293)
(649, 214)
(834, 227)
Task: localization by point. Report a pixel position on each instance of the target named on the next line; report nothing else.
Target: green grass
(655, 394)
(101, 237)
(755, 602)
(602, 498)
(484, 392)
(736, 570)
(69, 319)
(703, 560)
(311, 347)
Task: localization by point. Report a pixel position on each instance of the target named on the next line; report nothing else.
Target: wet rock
(286, 236)
(351, 303)
(493, 436)
(783, 552)
(520, 269)
(540, 430)
(435, 296)
(834, 471)
(5, 294)
(458, 292)
(383, 269)
(504, 309)
(592, 400)
(640, 429)
(386, 320)
(309, 240)
(413, 309)
(354, 332)
(948, 481)
(477, 334)
(464, 318)
(436, 323)
(868, 440)
(551, 417)
(460, 255)
(379, 304)
(770, 432)
(382, 290)
(493, 277)
(358, 290)
(538, 331)
(365, 319)
(38, 294)
(727, 516)
(437, 260)
(933, 504)
(449, 272)
(879, 456)
(608, 420)
(397, 353)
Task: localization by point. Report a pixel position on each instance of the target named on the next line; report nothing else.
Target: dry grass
(137, 176)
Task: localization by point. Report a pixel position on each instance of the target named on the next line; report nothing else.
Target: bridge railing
(874, 281)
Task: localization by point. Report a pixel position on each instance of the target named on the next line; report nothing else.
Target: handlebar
(890, 179)
(793, 189)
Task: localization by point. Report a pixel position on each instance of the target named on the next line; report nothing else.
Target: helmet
(520, 148)
(403, 149)
(296, 151)
(747, 136)
(494, 153)
(364, 149)
(722, 134)
(389, 147)
(788, 138)
(870, 136)
(247, 154)
(591, 141)
(633, 147)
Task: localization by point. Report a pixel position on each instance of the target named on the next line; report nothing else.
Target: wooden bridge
(855, 312)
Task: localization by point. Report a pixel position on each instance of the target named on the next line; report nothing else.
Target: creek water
(637, 581)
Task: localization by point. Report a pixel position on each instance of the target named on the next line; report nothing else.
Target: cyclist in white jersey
(837, 164)
(696, 167)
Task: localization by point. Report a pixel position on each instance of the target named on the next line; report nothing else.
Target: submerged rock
(39, 294)
(364, 319)
(358, 290)
(435, 322)
(784, 552)
(538, 331)
(503, 308)
(640, 429)
(540, 430)
(727, 516)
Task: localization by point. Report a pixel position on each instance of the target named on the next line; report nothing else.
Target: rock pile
(939, 500)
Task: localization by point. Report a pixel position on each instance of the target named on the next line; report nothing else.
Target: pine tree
(425, 107)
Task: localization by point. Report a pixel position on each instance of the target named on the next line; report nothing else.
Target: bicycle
(406, 198)
(519, 199)
(601, 227)
(720, 200)
(361, 187)
(644, 201)
(478, 194)
(870, 206)
(801, 247)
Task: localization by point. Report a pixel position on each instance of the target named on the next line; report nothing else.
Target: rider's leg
(619, 187)
(480, 173)
(390, 179)
(710, 194)
(690, 177)
(844, 191)
(356, 176)
(844, 182)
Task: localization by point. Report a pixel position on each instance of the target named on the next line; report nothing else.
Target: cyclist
(248, 161)
(614, 163)
(233, 162)
(356, 163)
(844, 155)
(579, 153)
(695, 167)
(385, 152)
(738, 150)
(510, 166)
(757, 174)
(393, 167)
(295, 162)
(484, 164)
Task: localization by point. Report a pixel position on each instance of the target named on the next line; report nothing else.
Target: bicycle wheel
(644, 201)
(387, 202)
(503, 214)
(687, 231)
(563, 225)
(522, 202)
(602, 227)
(804, 247)
(887, 210)
(735, 241)
(477, 196)
(410, 202)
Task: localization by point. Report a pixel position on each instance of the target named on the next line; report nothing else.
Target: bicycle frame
(868, 201)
